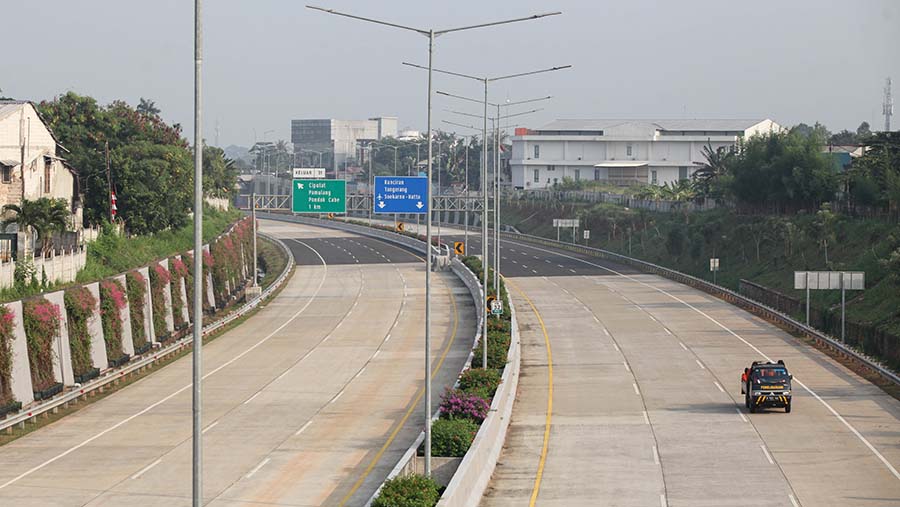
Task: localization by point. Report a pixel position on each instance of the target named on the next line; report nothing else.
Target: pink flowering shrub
(179, 272)
(41, 320)
(159, 278)
(456, 404)
(112, 301)
(136, 288)
(80, 305)
(7, 320)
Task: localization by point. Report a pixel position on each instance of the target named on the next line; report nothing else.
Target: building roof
(8, 107)
(653, 124)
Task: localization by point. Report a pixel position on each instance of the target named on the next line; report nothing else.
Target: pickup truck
(766, 384)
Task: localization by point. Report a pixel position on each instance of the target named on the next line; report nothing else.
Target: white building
(334, 141)
(24, 137)
(621, 152)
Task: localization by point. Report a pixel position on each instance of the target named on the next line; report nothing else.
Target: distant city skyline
(266, 64)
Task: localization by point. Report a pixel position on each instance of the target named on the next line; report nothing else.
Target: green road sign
(319, 196)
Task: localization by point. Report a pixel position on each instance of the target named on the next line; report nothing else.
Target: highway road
(310, 402)
(640, 377)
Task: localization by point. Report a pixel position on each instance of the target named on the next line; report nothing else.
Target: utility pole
(109, 193)
(888, 105)
(197, 443)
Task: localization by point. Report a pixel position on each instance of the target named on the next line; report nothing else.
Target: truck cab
(766, 384)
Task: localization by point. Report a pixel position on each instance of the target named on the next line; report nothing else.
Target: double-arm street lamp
(484, 238)
(497, 130)
(431, 34)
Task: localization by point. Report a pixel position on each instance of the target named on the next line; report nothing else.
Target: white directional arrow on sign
(381, 204)
(299, 186)
(419, 205)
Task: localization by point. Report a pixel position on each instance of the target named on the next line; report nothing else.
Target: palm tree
(709, 172)
(43, 215)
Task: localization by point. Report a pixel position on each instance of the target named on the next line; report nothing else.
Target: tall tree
(42, 215)
(148, 107)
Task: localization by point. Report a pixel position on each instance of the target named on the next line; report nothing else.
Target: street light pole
(431, 34)
(196, 403)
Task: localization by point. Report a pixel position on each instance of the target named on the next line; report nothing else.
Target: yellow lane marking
(540, 471)
(412, 407)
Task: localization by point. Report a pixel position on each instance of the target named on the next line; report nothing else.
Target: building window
(537, 175)
(596, 174)
(653, 179)
(6, 173)
(628, 150)
(577, 174)
(551, 167)
(48, 163)
(682, 173)
(537, 151)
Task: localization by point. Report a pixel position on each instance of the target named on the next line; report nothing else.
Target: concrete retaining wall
(21, 372)
(95, 329)
(125, 320)
(62, 353)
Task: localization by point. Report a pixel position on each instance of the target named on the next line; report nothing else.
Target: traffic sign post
(459, 247)
(714, 267)
(400, 227)
(401, 194)
(830, 280)
(496, 307)
(319, 196)
(587, 236)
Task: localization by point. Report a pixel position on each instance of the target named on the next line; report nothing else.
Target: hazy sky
(268, 61)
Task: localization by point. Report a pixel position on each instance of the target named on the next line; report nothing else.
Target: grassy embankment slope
(762, 249)
(112, 254)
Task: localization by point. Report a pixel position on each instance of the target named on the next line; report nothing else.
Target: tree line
(150, 163)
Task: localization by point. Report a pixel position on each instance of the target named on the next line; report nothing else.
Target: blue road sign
(401, 194)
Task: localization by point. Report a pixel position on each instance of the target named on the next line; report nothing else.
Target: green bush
(481, 382)
(452, 437)
(408, 491)
(498, 348)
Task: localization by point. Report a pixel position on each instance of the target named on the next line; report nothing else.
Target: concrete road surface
(310, 402)
(646, 403)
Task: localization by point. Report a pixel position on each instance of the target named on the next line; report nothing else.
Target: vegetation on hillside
(151, 164)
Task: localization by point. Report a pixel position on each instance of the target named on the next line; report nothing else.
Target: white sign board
(496, 307)
(714, 264)
(830, 280)
(587, 234)
(566, 222)
(309, 172)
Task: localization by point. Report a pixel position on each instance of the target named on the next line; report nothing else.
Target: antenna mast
(888, 106)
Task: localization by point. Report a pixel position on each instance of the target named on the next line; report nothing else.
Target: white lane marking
(616, 346)
(766, 452)
(301, 430)
(636, 390)
(537, 258)
(699, 364)
(667, 330)
(682, 345)
(387, 338)
(360, 372)
(257, 467)
(326, 338)
(514, 261)
(547, 261)
(503, 256)
(284, 374)
(655, 455)
(144, 470)
(606, 332)
(336, 397)
(211, 426)
(662, 501)
(652, 318)
(248, 400)
(793, 500)
(560, 265)
(743, 417)
(719, 386)
(646, 418)
(376, 354)
(524, 266)
(355, 303)
(186, 387)
(596, 319)
(831, 409)
(341, 323)
(627, 368)
(534, 271)
(572, 270)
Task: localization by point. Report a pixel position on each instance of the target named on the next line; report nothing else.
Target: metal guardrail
(723, 293)
(113, 376)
